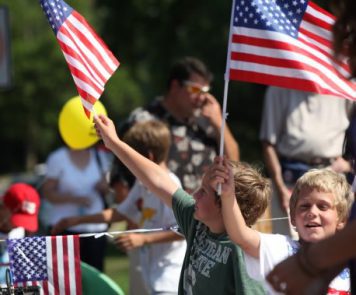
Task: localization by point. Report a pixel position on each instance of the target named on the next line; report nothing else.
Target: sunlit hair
(150, 136)
(252, 191)
(328, 181)
(344, 31)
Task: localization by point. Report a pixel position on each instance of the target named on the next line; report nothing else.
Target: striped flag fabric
(90, 62)
(53, 263)
(286, 43)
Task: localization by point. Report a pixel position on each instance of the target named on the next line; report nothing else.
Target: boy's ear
(340, 225)
(292, 220)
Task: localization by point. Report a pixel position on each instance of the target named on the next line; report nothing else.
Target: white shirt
(304, 125)
(275, 248)
(161, 263)
(78, 182)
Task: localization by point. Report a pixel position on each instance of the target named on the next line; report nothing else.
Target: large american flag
(90, 62)
(53, 263)
(286, 43)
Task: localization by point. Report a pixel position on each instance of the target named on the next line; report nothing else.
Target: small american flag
(50, 262)
(286, 43)
(90, 62)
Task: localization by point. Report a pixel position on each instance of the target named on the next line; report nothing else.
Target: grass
(117, 262)
(117, 267)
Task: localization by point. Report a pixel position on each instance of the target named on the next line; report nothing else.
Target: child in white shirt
(319, 207)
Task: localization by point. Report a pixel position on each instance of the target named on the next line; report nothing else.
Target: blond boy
(319, 207)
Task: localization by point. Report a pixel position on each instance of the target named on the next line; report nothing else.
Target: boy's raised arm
(247, 238)
(156, 179)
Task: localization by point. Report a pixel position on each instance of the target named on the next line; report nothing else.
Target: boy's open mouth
(312, 225)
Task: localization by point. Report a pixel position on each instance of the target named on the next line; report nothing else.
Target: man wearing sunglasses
(194, 118)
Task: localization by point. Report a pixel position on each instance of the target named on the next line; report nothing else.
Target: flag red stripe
(286, 64)
(44, 285)
(78, 278)
(280, 81)
(99, 40)
(315, 37)
(55, 265)
(273, 44)
(82, 57)
(86, 96)
(321, 10)
(73, 54)
(312, 19)
(83, 38)
(79, 74)
(66, 265)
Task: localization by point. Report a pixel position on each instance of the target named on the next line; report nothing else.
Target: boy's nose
(312, 211)
(196, 196)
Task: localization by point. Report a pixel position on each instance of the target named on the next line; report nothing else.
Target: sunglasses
(195, 88)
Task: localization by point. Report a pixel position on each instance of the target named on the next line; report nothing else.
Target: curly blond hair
(324, 180)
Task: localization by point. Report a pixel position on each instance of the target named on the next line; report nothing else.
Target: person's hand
(212, 111)
(102, 186)
(284, 195)
(288, 278)
(340, 165)
(219, 173)
(63, 224)
(128, 242)
(82, 201)
(105, 129)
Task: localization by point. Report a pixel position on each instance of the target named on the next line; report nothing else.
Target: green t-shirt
(212, 263)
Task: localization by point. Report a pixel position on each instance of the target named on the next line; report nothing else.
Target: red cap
(24, 202)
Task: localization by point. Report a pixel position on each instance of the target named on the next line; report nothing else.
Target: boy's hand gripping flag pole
(89, 60)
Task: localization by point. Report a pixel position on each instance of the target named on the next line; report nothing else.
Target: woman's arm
(106, 216)
(51, 193)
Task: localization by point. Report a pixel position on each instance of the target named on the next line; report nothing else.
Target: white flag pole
(226, 89)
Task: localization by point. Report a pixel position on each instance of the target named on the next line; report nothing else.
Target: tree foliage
(146, 36)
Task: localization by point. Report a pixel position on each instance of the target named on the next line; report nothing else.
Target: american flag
(286, 43)
(53, 263)
(90, 62)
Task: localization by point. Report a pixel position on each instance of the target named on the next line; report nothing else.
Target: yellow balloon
(76, 129)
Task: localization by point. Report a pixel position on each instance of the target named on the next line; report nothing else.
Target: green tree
(41, 85)
(146, 36)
